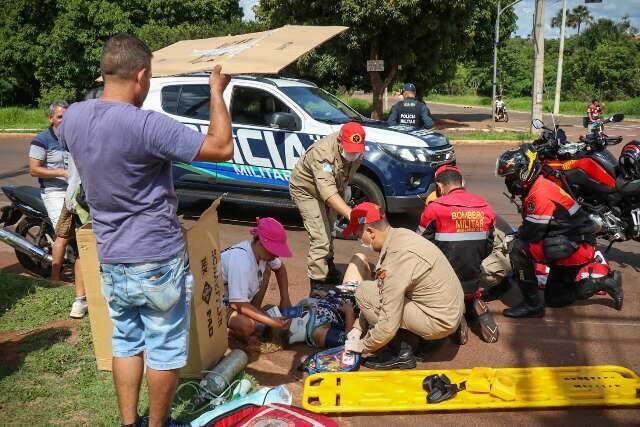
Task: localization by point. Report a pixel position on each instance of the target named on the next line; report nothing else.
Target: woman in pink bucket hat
(246, 269)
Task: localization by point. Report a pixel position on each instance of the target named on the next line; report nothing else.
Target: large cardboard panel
(208, 328)
(265, 52)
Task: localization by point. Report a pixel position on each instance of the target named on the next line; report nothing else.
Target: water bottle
(220, 377)
(292, 312)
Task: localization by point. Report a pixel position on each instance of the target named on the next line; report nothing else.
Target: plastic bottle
(292, 312)
(224, 372)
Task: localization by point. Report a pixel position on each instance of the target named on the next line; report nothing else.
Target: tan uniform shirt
(322, 172)
(412, 268)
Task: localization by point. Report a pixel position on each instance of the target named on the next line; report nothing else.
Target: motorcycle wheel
(506, 117)
(30, 229)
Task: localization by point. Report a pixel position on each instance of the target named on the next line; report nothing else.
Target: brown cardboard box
(208, 335)
(266, 52)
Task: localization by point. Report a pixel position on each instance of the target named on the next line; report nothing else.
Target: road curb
(5, 136)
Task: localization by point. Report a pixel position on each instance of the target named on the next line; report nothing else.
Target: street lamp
(499, 11)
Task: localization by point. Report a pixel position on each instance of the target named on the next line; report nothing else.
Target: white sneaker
(79, 309)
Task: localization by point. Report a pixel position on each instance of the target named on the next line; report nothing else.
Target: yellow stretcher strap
(486, 388)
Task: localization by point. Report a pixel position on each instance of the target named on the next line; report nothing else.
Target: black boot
(611, 284)
(399, 353)
(334, 275)
(496, 292)
(524, 310)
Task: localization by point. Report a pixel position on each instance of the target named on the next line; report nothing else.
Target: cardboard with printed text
(266, 52)
(208, 324)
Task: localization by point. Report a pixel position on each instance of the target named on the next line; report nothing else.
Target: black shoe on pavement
(426, 348)
(613, 288)
(399, 353)
(488, 326)
(524, 310)
(461, 335)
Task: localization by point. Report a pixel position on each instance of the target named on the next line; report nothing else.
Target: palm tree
(579, 15)
(556, 21)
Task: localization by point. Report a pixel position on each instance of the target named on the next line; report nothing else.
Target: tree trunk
(378, 83)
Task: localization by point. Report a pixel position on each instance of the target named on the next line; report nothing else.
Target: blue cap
(409, 87)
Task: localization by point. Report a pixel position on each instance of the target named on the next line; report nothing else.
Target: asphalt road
(588, 333)
(462, 117)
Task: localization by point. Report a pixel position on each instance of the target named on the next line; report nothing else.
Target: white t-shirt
(499, 103)
(242, 273)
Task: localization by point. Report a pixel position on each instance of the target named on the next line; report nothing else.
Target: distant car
(274, 121)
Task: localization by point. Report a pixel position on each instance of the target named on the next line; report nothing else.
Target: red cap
(445, 168)
(353, 137)
(364, 213)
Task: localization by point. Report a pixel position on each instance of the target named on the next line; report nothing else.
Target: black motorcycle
(34, 234)
(589, 173)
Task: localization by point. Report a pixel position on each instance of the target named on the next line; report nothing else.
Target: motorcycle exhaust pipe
(23, 245)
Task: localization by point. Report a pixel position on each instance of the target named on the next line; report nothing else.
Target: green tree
(580, 15)
(424, 37)
(52, 48)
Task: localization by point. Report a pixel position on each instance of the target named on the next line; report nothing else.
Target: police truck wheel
(363, 189)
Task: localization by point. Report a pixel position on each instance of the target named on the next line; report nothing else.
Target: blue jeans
(149, 305)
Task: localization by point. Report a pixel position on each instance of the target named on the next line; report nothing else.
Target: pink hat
(272, 236)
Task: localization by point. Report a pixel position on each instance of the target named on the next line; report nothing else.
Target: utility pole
(496, 40)
(556, 103)
(538, 68)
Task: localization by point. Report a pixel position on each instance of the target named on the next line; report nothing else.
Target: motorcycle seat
(627, 187)
(30, 196)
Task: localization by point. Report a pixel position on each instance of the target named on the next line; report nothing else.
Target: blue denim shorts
(149, 305)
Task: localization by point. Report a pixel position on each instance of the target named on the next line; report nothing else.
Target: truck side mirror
(284, 121)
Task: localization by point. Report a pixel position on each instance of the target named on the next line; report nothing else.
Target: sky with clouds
(612, 9)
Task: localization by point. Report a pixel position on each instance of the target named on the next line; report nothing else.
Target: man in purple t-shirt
(124, 155)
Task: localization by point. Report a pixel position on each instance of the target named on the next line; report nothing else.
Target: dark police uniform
(411, 112)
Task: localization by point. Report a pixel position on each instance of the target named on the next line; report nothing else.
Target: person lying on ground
(246, 270)
(412, 295)
(326, 321)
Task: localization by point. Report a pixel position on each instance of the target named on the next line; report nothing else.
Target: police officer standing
(317, 186)
(556, 231)
(410, 111)
(412, 294)
(462, 225)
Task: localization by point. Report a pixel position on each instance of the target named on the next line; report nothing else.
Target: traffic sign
(375, 65)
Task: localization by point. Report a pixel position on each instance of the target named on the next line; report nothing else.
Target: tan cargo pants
(497, 265)
(318, 221)
(414, 319)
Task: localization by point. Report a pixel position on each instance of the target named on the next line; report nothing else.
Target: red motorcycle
(590, 174)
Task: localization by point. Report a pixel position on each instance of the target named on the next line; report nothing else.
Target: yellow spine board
(543, 387)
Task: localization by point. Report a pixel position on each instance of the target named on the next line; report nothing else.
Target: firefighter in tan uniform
(317, 185)
(415, 293)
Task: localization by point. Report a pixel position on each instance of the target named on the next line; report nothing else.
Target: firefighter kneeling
(555, 231)
(462, 225)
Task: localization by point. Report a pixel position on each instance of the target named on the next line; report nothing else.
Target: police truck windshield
(321, 105)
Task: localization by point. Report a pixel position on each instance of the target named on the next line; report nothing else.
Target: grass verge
(629, 107)
(501, 136)
(23, 118)
(48, 374)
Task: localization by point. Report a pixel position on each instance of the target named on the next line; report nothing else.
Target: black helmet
(594, 99)
(629, 160)
(520, 167)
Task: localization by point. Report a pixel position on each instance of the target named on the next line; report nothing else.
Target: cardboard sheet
(266, 52)
(208, 331)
